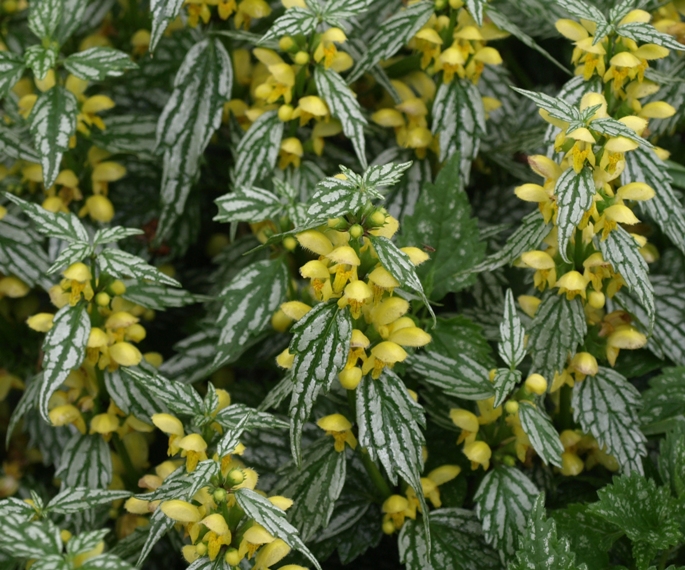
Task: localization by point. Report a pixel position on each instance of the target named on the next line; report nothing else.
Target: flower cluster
(211, 519)
(397, 508)
(348, 269)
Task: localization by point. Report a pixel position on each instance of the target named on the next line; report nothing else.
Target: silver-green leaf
(573, 192)
(96, 63)
(541, 433)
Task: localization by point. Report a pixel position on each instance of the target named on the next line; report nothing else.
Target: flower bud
(235, 477)
(181, 511)
(584, 363)
(334, 422)
(315, 241)
(350, 377)
(395, 504)
(536, 384)
(511, 407)
(125, 354)
(100, 208)
(41, 322)
(295, 309)
(78, 272)
(571, 464)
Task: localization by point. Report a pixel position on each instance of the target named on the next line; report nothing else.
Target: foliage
(295, 284)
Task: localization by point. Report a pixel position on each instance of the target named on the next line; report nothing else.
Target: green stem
(565, 418)
(376, 476)
(130, 475)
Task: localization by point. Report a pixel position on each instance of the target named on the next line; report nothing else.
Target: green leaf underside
(452, 233)
(541, 547)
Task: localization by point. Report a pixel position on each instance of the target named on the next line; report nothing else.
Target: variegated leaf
(333, 198)
(248, 204)
(86, 462)
(622, 251)
(160, 297)
(11, 69)
(45, 16)
(573, 192)
(121, 264)
(459, 122)
(532, 230)
(163, 12)
(456, 375)
(21, 252)
(57, 225)
(96, 63)
(247, 304)
(606, 406)
(258, 149)
(273, 520)
(504, 500)
(504, 382)
(12, 143)
(643, 32)
(557, 329)
(130, 397)
(395, 32)
(643, 165)
(314, 487)
(511, 347)
(296, 21)
(64, 348)
(541, 433)
(320, 343)
(40, 60)
(52, 122)
(344, 106)
(185, 127)
(180, 398)
(76, 499)
(456, 542)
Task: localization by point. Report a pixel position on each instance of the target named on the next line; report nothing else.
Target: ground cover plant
(342, 283)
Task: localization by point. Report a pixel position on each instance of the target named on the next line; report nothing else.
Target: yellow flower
(479, 454)
(291, 153)
(340, 428)
(543, 263)
(249, 10)
(395, 509)
(327, 50)
(271, 554)
(357, 294)
(626, 337)
(383, 354)
(468, 422)
(310, 107)
(573, 284)
(194, 449)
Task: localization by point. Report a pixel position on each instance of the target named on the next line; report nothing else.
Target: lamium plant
(313, 284)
